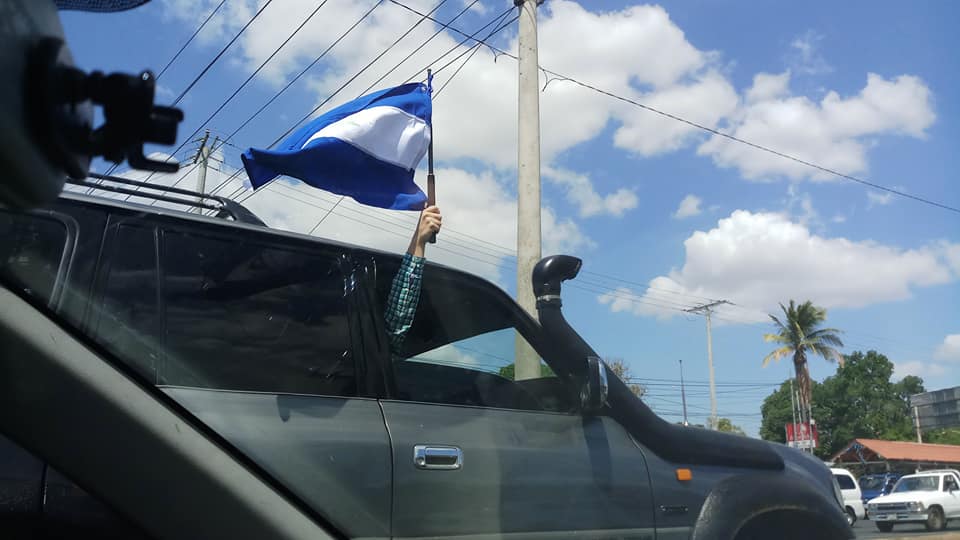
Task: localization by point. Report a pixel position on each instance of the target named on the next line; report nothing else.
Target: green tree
(942, 436)
(622, 371)
(799, 333)
(859, 401)
(777, 411)
(727, 426)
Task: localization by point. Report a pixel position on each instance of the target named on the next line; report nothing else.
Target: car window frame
(71, 228)
(162, 224)
(527, 326)
(853, 484)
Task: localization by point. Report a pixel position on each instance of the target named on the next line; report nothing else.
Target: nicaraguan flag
(366, 149)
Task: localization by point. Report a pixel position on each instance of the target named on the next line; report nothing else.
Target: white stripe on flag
(386, 133)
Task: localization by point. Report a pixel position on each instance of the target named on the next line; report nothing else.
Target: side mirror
(593, 396)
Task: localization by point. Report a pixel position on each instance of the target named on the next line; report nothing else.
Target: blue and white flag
(366, 149)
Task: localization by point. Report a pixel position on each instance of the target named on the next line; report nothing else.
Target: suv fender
(740, 499)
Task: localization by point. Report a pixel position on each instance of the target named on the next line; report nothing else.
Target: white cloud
(228, 19)
(706, 100)
(581, 193)
(805, 55)
(800, 205)
(479, 7)
(834, 133)
(621, 299)
(876, 198)
(689, 206)
(951, 253)
(451, 355)
(760, 259)
(917, 368)
(949, 349)
(767, 86)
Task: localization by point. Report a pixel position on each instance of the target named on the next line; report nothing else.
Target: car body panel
(333, 452)
(522, 472)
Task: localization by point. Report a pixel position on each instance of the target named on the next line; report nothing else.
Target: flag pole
(431, 180)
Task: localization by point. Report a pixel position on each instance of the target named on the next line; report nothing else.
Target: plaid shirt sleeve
(403, 300)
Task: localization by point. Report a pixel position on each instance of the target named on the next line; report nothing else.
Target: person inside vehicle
(405, 290)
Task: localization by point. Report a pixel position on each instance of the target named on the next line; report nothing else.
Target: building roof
(872, 450)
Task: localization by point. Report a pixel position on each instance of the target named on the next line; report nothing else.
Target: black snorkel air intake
(548, 275)
(671, 442)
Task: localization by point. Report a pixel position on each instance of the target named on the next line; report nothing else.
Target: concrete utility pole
(528, 185)
(683, 395)
(707, 310)
(916, 419)
(203, 155)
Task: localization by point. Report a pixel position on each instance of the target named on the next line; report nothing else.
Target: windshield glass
(750, 208)
(871, 482)
(917, 483)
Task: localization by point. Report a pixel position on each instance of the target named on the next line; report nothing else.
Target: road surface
(867, 529)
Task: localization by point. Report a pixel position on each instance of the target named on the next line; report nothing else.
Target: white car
(852, 498)
(930, 497)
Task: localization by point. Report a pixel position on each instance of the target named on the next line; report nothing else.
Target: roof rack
(221, 206)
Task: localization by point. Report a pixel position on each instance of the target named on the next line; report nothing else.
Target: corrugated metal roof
(901, 451)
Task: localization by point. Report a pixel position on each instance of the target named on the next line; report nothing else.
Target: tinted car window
(845, 481)
(128, 321)
(461, 347)
(31, 249)
(245, 316)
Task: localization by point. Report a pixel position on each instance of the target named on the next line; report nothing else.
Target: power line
(475, 49)
(705, 128)
(255, 73)
(220, 54)
(190, 39)
(354, 77)
(420, 47)
(466, 38)
(282, 90)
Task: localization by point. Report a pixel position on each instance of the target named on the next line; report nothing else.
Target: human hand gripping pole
(427, 227)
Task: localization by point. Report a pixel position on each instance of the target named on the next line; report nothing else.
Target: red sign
(802, 435)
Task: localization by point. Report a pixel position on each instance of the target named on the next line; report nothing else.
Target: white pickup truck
(929, 497)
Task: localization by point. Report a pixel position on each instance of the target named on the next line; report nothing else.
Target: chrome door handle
(439, 457)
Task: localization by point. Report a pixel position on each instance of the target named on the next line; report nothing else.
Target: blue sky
(867, 88)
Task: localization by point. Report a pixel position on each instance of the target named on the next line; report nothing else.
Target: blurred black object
(99, 5)
(131, 117)
(46, 107)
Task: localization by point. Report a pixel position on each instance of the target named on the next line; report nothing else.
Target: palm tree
(799, 333)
